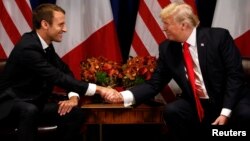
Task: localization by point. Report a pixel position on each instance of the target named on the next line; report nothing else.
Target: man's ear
(44, 24)
(184, 26)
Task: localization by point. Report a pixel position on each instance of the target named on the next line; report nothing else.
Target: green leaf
(102, 78)
(139, 80)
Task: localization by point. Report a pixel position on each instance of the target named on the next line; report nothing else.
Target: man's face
(172, 29)
(57, 28)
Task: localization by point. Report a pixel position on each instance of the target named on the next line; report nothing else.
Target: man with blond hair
(207, 66)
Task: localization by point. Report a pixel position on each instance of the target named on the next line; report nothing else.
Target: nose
(164, 28)
(64, 28)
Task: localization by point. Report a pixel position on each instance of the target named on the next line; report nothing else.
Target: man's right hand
(109, 94)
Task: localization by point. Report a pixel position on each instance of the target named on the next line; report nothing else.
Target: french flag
(91, 32)
(234, 15)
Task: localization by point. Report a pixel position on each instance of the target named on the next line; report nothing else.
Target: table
(104, 113)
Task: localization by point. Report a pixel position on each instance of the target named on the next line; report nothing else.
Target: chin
(58, 40)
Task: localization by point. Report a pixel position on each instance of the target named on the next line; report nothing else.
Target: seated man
(207, 66)
(32, 70)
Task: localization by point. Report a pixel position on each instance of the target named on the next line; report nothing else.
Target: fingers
(221, 120)
(110, 95)
(115, 98)
(65, 107)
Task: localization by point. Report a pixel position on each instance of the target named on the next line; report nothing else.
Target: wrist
(98, 89)
(74, 98)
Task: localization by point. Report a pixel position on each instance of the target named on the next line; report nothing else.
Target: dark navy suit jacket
(30, 76)
(220, 64)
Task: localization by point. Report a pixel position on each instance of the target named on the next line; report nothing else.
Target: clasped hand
(110, 95)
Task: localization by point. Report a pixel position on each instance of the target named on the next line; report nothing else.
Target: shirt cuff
(91, 89)
(226, 112)
(72, 94)
(128, 98)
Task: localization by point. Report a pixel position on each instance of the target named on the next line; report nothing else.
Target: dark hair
(44, 12)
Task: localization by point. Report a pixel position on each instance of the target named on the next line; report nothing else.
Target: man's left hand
(221, 120)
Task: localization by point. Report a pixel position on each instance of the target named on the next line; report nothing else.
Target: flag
(234, 16)
(15, 19)
(148, 35)
(90, 33)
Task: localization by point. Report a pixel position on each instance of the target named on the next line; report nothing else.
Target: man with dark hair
(32, 70)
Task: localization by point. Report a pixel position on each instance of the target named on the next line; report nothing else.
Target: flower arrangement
(109, 73)
(101, 71)
(137, 70)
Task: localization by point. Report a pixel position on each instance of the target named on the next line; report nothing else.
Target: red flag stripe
(150, 21)
(243, 44)
(163, 3)
(138, 46)
(26, 11)
(192, 4)
(167, 94)
(8, 24)
(2, 53)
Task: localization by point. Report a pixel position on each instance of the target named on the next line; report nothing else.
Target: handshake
(110, 95)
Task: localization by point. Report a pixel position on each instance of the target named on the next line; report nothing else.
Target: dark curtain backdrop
(125, 11)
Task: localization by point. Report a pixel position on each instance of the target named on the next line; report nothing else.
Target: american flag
(15, 19)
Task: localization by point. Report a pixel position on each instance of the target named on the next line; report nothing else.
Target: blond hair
(181, 13)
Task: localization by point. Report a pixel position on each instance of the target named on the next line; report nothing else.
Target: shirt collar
(44, 44)
(192, 38)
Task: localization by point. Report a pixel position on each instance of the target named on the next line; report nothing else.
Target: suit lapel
(177, 61)
(50, 54)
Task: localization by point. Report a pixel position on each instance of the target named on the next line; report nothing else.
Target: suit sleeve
(61, 76)
(233, 69)
(159, 79)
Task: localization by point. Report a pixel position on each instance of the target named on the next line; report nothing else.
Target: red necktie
(191, 76)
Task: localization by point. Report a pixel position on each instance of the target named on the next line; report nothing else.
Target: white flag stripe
(132, 52)
(28, 2)
(228, 14)
(16, 16)
(174, 87)
(74, 25)
(80, 11)
(144, 33)
(155, 10)
(5, 41)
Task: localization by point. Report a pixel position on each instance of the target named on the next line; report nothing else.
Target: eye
(61, 25)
